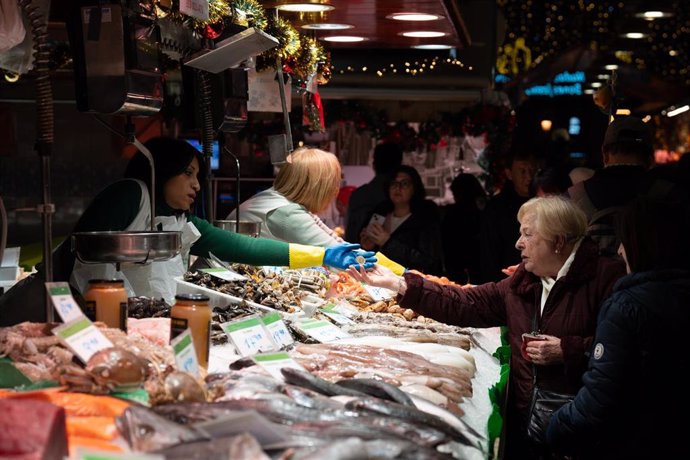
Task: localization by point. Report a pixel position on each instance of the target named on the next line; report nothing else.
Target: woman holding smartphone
(406, 227)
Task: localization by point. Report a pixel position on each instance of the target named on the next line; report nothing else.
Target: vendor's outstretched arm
(234, 247)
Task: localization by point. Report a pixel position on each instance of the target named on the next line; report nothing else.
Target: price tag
(321, 330)
(379, 293)
(274, 362)
(275, 325)
(249, 335)
(185, 354)
(224, 274)
(90, 454)
(64, 303)
(82, 337)
(195, 8)
(332, 312)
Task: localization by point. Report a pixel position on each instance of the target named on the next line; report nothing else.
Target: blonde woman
(556, 292)
(304, 187)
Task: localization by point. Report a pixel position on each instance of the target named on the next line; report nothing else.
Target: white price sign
(82, 337)
(379, 293)
(63, 301)
(323, 331)
(274, 362)
(249, 336)
(275, 325)
(195, 8)
(332, 312)
(225, 275)
(185, 354)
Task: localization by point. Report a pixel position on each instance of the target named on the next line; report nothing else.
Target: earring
(558, 251)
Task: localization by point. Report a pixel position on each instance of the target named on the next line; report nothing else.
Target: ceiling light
(603, 76)
(678, 111)
(414, 17)
(623, 112)
(305, 7)
(595, 84)
(588, 91)
(344, 39)
(652, 15)
(546, 125)
(327, 26)
(635, 35)
(433, 47)
(647, 118)
(611, 66)
(422, 34)
(673, 53)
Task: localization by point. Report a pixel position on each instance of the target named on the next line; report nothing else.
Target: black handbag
(544, 404)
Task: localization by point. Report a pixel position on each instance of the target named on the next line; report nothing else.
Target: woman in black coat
(406, 227)
(633, 388)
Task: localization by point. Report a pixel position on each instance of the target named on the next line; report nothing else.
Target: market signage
(563, 84)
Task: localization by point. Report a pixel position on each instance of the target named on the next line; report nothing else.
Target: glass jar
(106, 301)
(192, 311)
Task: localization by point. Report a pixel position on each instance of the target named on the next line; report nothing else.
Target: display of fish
(357, 449)
(378, 389)
(240, 447)
(308, 380)
(411, 414)
(146, 431)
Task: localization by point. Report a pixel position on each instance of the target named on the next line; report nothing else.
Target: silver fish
(377, 389)
(145, 431)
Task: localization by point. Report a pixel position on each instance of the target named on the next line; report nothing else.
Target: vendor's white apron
(155, 279)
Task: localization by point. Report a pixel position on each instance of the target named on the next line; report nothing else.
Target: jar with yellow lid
(192, 311)
(106, 301)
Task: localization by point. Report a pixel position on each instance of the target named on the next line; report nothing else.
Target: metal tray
(118, 247)
(252, 229)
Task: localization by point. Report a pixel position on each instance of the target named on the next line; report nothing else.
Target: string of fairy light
(411, 68)
(548, 28)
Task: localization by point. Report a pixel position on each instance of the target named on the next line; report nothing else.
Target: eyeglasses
(400, 184)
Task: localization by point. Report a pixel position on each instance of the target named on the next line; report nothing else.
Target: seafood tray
(216, 299)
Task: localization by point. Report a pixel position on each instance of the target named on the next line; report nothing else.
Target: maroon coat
(570, 313)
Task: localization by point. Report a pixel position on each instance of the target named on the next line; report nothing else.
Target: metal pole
(283, 102)
(237, 181)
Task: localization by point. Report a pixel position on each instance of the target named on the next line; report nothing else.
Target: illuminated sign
(563, 84)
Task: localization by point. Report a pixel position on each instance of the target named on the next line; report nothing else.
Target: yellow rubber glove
(390, 264)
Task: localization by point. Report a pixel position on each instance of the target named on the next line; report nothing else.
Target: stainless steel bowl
(252, 229)
(119, 247)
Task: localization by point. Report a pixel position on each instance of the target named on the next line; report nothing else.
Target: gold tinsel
(252, 14)
(288, 39)
(310, 52)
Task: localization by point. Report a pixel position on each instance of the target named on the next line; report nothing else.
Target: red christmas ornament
(213, 31)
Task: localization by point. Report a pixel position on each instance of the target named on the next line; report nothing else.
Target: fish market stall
(332, 376)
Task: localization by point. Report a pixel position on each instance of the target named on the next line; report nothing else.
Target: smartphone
(527, 338)
(377, 219)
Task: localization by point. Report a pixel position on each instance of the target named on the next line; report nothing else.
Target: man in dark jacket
(633, 388)
(499, 227)
(627, 153)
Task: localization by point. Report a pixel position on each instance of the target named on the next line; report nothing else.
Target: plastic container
(106, 301)
(193, 311)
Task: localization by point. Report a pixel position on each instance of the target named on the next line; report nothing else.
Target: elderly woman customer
(557, 290)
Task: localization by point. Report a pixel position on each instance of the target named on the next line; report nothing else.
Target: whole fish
(308, 380)
(378, 389)
(409, 414)
(240, 447)
(311, 399)
(145, 430)
(357, 449)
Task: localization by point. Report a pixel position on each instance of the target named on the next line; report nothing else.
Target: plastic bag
(12, 29)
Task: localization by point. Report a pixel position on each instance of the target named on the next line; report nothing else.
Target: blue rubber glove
(345, 254)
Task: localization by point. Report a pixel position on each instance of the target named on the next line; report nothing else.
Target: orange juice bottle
(192, 311)
(106, 301)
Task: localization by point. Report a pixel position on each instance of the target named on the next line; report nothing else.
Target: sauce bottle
(106, 301)
(192, 311)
